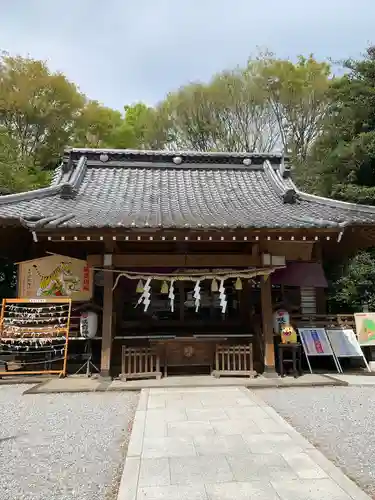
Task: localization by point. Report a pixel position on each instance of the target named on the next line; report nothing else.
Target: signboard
(315, 342)
(365, 326)
(345, 344)
(55, 276)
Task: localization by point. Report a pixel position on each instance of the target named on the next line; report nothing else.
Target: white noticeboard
(345, 344)
(315, 342)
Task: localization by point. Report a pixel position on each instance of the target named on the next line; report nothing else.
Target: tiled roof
(140, 189)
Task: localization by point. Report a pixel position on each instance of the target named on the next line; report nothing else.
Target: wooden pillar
(267, 324)
(105, 365)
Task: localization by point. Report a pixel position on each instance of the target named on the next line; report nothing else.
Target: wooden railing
(234, 360)
(139, 362)
(323, 320)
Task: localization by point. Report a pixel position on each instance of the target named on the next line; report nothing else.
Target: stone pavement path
(223, 443)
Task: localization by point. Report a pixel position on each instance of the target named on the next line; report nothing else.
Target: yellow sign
(288, 335)
(55, 276)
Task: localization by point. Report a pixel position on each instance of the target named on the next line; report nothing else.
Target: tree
(17, 174)
(96, 126)
(38, 108)
(353, 283)
(145, 125)
(271, 104)
(298, 96)
(344, 156)
(227, 114)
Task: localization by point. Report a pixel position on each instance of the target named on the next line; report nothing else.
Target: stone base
(270, 372)
(104, 376)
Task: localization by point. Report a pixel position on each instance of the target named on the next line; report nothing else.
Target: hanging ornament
(147, 294)
(140, 287)
(238, 284)
(171, 295)
(164, 287)
(223, 300)
(197, 295)
(214, 286)
(145, 297)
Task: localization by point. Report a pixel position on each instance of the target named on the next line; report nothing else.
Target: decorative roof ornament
(290, 196)
(246, 161)
(104, 157)
(177, 160)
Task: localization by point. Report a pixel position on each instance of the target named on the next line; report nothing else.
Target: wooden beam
(177, 260)
(267, 323)
(105, 366)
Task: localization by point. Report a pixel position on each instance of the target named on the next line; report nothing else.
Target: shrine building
(189, 253)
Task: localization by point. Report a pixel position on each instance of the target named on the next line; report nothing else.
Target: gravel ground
(63, 446)
(338, 420)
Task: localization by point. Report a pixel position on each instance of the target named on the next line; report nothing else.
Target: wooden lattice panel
(234, 360)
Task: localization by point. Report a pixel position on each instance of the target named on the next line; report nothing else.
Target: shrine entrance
(191, 326)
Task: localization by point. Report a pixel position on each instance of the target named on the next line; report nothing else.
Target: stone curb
(106, 387)
(129, 479)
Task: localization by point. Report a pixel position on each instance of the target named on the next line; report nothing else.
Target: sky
(124, 51)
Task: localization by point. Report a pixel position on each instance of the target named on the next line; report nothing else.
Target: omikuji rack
(29, 326)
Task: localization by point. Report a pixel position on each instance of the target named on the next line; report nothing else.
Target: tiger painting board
(55, 276)
(345, 344)
(315, 342)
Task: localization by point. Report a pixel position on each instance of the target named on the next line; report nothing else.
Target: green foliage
(344, 156)
(17, 173)
(298, 96)
(38, 108)
(96, 125)
(353, 283)
(42, 112)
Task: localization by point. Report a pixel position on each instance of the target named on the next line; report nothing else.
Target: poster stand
(34, 326)
(345, 344)
(315, 343)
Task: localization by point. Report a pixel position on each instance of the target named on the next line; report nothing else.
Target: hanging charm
(140, 288)
(197, 295)
(238, 284)
(214, 286)
(223, 300)
(171, 295)
(164, 287)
